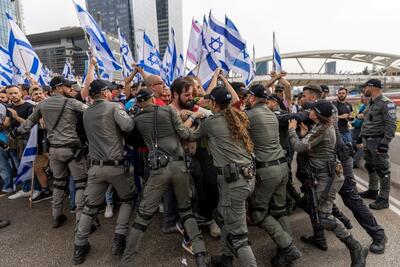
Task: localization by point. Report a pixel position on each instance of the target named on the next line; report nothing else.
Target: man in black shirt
(344, 114)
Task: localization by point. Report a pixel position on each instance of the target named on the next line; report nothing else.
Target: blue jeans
(6, 170)
(347, 138)
(109, 195)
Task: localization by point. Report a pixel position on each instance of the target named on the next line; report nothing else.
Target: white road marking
(394, 203)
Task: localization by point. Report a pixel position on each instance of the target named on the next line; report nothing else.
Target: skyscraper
(156, 17)
(15, 10)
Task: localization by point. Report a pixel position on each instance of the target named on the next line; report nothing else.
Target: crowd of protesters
(303, 123)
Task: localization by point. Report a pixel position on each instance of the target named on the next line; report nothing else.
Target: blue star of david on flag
(153, 59)
(124, 49)
(218, 42)
(245, 54)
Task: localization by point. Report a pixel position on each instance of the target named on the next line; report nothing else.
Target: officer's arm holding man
(31, 120)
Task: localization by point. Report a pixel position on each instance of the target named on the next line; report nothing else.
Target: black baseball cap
(279, 88)
(323, 108)
(259, 90)
(324, 88)
(374, 83)
(60, 80)
(97, 86)
(219, 95)
(275, 98)
(144, 94)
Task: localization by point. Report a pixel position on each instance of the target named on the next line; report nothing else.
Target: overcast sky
(371, 25)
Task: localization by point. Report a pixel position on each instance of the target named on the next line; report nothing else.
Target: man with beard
(377, 131)
(344, 114)
(60, 117)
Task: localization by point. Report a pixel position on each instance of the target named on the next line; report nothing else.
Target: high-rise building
(15, 9)
(156, 17)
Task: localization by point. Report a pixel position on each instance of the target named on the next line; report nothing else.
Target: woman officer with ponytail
(231, 147)
(320, 145)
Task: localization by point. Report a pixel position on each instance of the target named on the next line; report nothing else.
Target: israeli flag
(205, 70)
(180, 67)
(169, 61)
(97, 37)
(28, 157)
(237, 54)
(151, 57)
(126, 55)
(45, 76)
(67, 72)
(6, 68)
(276, 57)
(21, 52)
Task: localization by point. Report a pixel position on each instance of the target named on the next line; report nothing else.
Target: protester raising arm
(129, 79)
(89, 77)
(287, 89)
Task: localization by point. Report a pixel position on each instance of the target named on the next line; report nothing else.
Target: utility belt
(232, 172)
(71, 145)
(157, 160)
(80, 151)
(370, 137)
(260, 164)
(115, 163)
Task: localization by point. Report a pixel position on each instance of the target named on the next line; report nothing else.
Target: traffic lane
(30, 240)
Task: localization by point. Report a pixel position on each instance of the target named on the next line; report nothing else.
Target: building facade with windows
(14, 8)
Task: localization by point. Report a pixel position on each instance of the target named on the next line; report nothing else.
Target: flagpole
(32, 182)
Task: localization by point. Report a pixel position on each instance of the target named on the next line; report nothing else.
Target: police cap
(60, 80)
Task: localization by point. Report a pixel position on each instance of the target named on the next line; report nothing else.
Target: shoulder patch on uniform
(391, 105)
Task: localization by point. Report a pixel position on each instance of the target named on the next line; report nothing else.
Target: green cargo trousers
(177, 175)
(99, 178)
(232, 211)
(268, 203)
(378, 167)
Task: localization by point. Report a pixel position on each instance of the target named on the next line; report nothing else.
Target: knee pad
(219, 220)
(277, 211)
(80, 184)
(60, 183)
(328, 222)
(235, 242)
(258, 215)
(130, 201)
(139, 226)
(92, 210)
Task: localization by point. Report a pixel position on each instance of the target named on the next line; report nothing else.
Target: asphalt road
(30, 240)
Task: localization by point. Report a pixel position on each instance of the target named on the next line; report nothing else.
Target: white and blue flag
(98, 39)
(126, 55)
(28, 157)
(22, 54)
(276, 57)
(169, 61)
(150, 61)
(45, 76)
(6, 68)
(237, 54)
(67, 72)
(180, 67)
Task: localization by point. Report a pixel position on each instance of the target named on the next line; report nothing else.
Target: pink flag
(194, 47)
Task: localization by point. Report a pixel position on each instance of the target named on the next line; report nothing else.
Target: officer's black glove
(382, 149)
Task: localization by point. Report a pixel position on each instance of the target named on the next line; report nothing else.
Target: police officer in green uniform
(60, 113)
(319, 144)
(268, 203)
(231, 148)
(161, 129)
(104, 122)
(377, 131)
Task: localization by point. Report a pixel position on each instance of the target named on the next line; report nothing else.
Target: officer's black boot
(80, 253)
(379, 204)
(378, 245)
(286, 256)
(370, 194)
(222, 261)
(358, 253)
(318, 239)
(202, 260)
(118, 245)
(59, 220)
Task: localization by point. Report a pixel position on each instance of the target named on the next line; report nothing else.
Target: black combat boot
(378, 245)
(318, 239)
(202, 260)
(80, 253)
(118, 245)
(286, 256)
(358, 253)
(379, 204)
(222, 261)
(371, 194)
(59, 220)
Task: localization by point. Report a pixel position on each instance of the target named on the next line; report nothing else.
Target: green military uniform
(321, 151)
(63, 143)
(231, 207)
(169, 130)
(377, 131)
(104, 122)
(269, 199)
